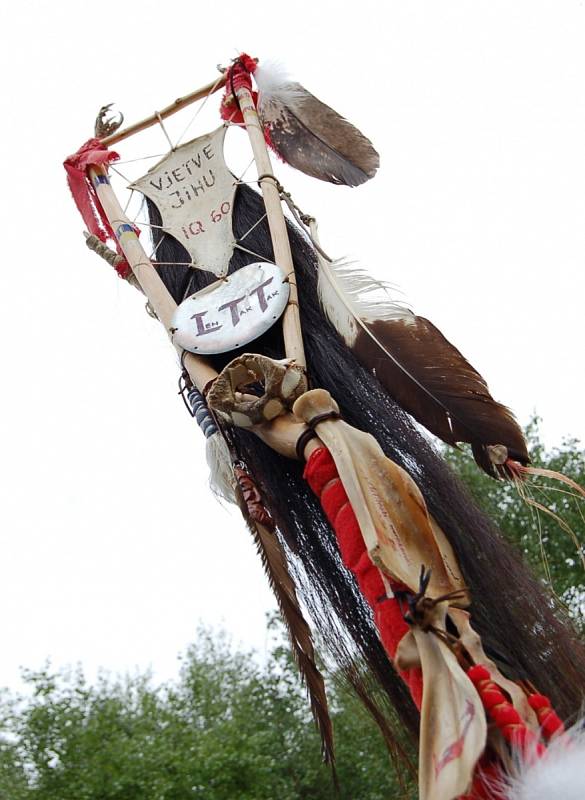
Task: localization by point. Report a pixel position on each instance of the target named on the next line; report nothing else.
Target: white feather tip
(348, 294)
(274, 82)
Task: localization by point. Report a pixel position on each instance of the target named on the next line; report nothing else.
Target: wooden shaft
(291, 321)
(177, 105)
(150, 282)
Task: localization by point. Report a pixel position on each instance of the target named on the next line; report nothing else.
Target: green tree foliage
(233, 728)
(229, 729)
(553, 550)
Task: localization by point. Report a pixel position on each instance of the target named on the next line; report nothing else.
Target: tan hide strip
(472, 643)
(391, 512)
(453, 728)
(408, 657)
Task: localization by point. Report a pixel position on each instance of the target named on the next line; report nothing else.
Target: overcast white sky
(112, 549)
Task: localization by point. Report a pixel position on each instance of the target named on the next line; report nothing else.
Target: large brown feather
(433, 381)
(426, 375)
(315, 139)
(282, 584)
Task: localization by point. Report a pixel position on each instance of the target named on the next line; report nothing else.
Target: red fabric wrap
(322, 476)
(238, 75)
(91, 154)
(123, 268)
(243, 67)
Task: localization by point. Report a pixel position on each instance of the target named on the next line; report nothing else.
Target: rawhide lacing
(304, 220)
(303, 441)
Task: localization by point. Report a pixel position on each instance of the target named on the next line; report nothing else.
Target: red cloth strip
(91, 154)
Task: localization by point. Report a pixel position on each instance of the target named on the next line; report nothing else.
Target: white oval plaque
(232, 312)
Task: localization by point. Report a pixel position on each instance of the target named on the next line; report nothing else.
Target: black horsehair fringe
(521, 624)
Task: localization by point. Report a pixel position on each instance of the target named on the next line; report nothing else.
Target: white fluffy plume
(274, 81)
(348, 294)
(558, 775)
(221, 475)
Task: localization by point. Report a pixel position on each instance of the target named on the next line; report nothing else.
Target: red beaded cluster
(550, 722)
(502, 712)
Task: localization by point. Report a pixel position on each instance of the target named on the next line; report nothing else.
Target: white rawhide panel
(194, 191)
(232, 312)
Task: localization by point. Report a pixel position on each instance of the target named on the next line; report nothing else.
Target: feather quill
(309, 135)
(418, 366)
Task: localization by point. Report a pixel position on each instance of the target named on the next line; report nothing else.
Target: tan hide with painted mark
(391, 512)
(453, 729)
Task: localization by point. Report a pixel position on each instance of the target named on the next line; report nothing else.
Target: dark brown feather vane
(281, 582)
(426, 375)
(315, 139)
(433, 381)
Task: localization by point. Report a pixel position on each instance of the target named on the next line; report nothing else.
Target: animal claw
(106, 124)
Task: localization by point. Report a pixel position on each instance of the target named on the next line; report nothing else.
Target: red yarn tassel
(238, 75)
